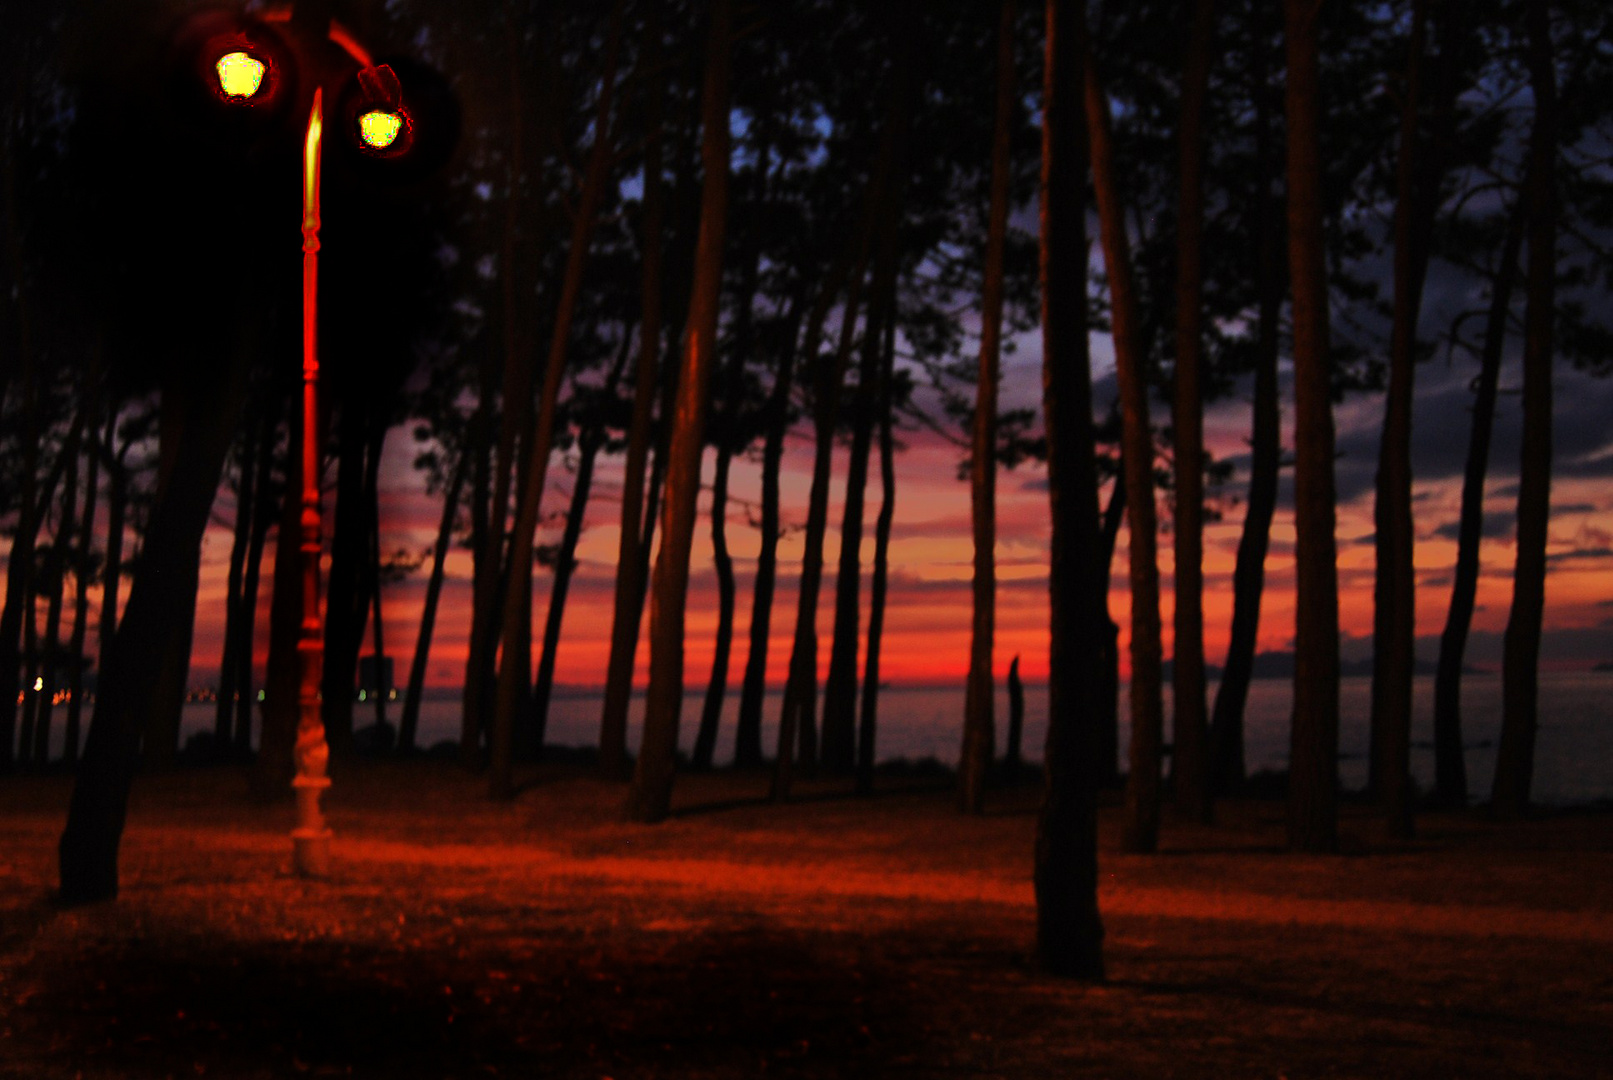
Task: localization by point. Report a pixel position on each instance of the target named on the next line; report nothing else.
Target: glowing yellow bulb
(239, 75)
(379, 129)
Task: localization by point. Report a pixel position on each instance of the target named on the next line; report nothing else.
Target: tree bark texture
(1314, 743)
(650, 797)
(1069, 931)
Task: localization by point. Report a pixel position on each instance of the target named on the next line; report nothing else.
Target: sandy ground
(830, 937)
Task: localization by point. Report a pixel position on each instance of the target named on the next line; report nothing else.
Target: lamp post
(310, 840)
(251, 66)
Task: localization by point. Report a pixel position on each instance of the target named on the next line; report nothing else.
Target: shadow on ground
(703, 1005)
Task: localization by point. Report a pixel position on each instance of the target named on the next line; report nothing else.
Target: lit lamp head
(378, 128)
(240, 75)
(382, 123)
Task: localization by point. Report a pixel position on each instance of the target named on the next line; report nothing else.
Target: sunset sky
(926, 637)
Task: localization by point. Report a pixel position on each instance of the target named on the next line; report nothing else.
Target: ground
(834, 936)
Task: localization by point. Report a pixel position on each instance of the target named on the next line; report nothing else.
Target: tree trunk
(1109, 648)
(282, 679)
(515, 670)
(748, 736)
(151, 625)
(1313, 756)
(630, 561)
(229, 667)
(1395, 589)
(705, 744)
(56, 576)
(117, 505)
(867, 731)
(372, 499)
(1520, 658)
(1013, 759)
(1265, 451)
(409, 725)
(796, 717)
(1069, 932)
(1147, 707)
(978, 731)
(262, 521)
(346, 598)
(1189, 765)
(650, 797)
(565, 565)
(81, 606)
(1450, 764)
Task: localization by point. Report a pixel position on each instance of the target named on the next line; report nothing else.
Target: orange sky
(926, 637)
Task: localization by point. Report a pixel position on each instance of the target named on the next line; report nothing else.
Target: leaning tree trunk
(514, 669)
(1189, 756)
(629, 597)
(1520, 657)
(978, 731)
(879, 586)
(650, 797)
(1265, 454)
(346, 598)
(1137, 458)
(151, 625)
(282, 678)
(1450, 765)
(705, 744)
(1395, 588)
(1314, 743)
(748, 734)
(1069, 932)
(409, 724)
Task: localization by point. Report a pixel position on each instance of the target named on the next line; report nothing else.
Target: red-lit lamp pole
(382, 128)
(310, 840)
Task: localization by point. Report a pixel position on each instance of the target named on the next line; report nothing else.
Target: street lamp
(240, 81)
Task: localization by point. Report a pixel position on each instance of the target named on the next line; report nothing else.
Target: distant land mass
(1606, 665)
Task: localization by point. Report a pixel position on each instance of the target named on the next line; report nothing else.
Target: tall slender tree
(1520, 657)
(650, 798)
(1069, 931)
(1450, 764)
(1313, 755)
(978, 729)
(514, 669)
(1189, 765)
(1137, 459)
(1395, 588)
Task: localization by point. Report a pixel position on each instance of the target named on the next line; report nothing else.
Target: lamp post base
(310, 840)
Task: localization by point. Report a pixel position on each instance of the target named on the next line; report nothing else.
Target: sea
(1573, 750)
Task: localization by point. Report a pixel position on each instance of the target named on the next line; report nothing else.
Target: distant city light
(239, 75)
(39, 683)
(379, 129)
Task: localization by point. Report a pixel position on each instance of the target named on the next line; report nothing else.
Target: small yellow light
(379, 129)
(39, 683)
(239, 75)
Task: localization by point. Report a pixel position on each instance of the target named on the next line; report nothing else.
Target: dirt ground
(834, 937)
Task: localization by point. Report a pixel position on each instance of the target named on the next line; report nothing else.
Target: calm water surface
(1573, 753)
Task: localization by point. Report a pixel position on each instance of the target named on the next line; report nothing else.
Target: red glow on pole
(311, 837)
